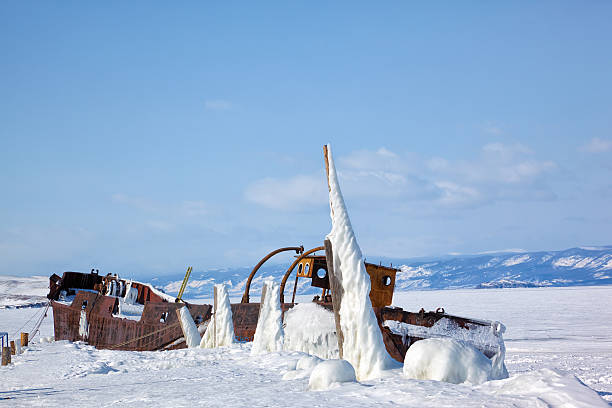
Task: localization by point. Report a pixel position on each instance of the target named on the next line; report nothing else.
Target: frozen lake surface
(552, 335)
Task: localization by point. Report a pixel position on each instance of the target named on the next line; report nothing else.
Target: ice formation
(269, 332)
(220, 331)
(485, 337)
(311, 328)
(331, 372)
(363, 344)
(83, 325)
(190, 330)
(445, 359)
(129, 308)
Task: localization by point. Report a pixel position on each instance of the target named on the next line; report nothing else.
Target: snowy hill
(575, 266)
(571, 267)
(17, 291)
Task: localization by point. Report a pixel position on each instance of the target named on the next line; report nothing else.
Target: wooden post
(215, 317)
(13, 349)
(24, 339)
(6, 356)
(336, 290)
(264, 291)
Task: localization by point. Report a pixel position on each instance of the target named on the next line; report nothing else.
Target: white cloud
(492, 128)
(501, 172)
(187, 208)
(597, 145)
(455, 195)
(217, 104)
(136, 202)
(295, 193)
(161, 226)
(194, 208)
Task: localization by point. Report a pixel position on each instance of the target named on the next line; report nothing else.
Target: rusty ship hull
(158, 327)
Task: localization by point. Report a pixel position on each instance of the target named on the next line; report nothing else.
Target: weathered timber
(337, 292)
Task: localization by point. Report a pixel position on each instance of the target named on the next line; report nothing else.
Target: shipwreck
(109, 312)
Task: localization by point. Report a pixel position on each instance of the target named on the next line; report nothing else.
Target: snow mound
(220, 331)
(553, 387)
(302, 368)
(363, 344)
(329, 373)
(449, 360)
(307, 363)
(190, 330)
(487, 338)
(311, 328)
(269, 332)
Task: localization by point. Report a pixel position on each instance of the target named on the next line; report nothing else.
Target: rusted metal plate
(107, 331)
(397, 345)
(382, 283)
(319, 272)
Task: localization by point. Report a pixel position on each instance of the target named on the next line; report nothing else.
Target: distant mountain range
(570, 267)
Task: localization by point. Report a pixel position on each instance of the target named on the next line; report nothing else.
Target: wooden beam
(336, 292)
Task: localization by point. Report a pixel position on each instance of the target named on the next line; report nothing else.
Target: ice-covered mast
(359, 336)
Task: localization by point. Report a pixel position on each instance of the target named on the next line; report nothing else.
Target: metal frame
(245, 295)
(293, 265)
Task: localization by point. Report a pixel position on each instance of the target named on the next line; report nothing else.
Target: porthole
(386, 280)
(306, 269)
(300, 269)
(321, 273)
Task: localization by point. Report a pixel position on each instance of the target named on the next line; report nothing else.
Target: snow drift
(363, 344)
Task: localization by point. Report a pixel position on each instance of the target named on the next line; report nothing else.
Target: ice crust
(363, 344)
(311, 329)
(223, 325)
(269, 332)
(449, 360)
(329, 373)
(190, 330)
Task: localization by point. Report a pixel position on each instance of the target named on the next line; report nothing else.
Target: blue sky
(142, 137)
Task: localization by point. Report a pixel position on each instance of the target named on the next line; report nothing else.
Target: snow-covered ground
(552, 334)
(18, 291)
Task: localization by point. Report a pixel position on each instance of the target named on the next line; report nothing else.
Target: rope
(40, 320)
(146, 335)
(28, 321)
